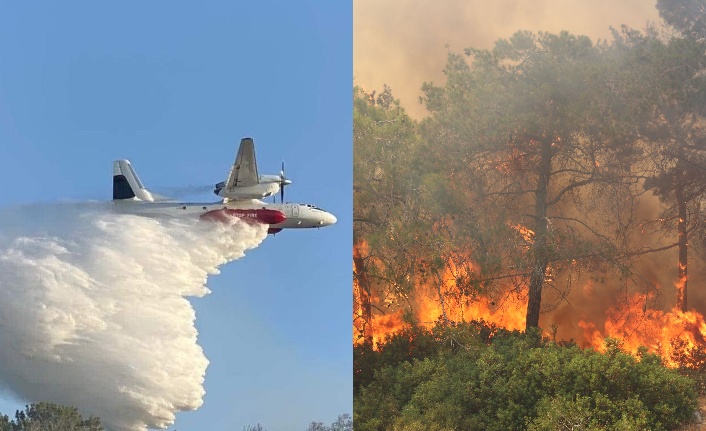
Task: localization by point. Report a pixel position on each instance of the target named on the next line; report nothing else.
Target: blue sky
(173, 87)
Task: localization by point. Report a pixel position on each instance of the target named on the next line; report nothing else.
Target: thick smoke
(404, 43)
(93, 308)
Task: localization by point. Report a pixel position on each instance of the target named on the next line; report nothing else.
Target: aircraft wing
(244, 170)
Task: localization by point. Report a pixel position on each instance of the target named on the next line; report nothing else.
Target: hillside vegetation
(476, 377)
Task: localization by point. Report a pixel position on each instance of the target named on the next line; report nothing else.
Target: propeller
(283, 181)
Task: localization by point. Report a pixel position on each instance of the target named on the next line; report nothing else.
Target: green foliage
(519, 381)
(387, 215)
(416, 342)
(584, 413)
(343, 422)
(49, 417)
(410, 343)
(686, 16)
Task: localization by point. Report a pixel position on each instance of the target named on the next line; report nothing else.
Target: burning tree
(532, 130)
(673, 89)
(403, 213)
(385, 215)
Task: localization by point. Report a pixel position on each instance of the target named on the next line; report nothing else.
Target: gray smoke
(93, 308)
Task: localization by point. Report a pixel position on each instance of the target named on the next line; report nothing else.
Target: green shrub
(520, 381)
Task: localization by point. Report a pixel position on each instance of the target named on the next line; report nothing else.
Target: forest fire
(430, 304)
(427, 312)
(678, 337)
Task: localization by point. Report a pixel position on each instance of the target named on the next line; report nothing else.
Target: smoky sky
(403, 43)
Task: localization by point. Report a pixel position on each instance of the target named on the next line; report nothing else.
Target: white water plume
(93, 308)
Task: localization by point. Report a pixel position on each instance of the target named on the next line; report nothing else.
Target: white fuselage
(298, 215)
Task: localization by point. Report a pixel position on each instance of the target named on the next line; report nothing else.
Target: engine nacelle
(257, 191)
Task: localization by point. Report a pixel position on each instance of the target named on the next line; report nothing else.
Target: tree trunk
(681, 228)
(364, 315)
(540, 259)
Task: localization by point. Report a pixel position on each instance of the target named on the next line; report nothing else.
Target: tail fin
(127, 185)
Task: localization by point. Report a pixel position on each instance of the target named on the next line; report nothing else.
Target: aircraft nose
(326, 219)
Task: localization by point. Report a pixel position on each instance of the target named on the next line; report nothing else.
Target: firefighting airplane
(240, 189)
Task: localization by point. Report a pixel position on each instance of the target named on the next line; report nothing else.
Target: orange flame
(671, 334)
(659, 331)
(439, 301)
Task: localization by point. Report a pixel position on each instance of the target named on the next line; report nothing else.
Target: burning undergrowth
(594, 313)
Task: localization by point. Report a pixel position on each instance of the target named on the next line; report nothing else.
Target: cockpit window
(314, 207)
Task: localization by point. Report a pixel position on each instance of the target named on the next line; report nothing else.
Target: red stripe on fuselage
(263, 215)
